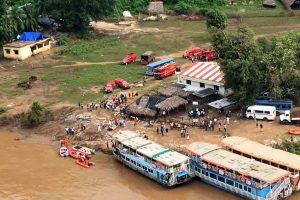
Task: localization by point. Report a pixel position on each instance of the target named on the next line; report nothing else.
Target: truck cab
(285, 117)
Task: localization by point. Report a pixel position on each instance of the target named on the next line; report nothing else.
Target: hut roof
(137, 110)
(171, 103)
(173, 91)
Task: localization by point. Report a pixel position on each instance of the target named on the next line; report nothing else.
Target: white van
(261, 112)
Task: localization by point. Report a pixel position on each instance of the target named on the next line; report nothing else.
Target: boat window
(289, 106)
(213, 176)
(196, 168)
(220, 178)
(240, 186)
(127, 159)
(236, 184)
(16, 52)
(229, 182)
(245, 188)
(134, 162)
(283, 106)
(249, 189)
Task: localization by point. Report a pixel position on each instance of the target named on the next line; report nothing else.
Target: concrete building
(29, 43)
(201, 75)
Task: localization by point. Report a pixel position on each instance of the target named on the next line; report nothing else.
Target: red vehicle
(110, 85)
(192, 51)
(207, 55)
(130, 57)
(122, 83)
(167, 69)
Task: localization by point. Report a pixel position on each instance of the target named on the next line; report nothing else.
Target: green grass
(254, 9)
(85, 83)
(75, 83)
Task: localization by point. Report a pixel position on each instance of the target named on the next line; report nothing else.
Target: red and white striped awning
(204, 70)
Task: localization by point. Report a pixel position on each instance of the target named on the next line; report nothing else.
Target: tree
(239, 60)
(281, 60)
(15, 20)
(217, 19)
(76, 15)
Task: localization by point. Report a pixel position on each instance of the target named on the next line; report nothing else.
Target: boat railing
(278, 188)
(231, 188)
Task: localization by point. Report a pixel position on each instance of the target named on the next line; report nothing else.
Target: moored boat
(265, 154)
(151, 159)
(237, 174)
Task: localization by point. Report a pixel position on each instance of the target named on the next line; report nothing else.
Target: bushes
(35, 115)
(63, 40)
(216, 19)
(2, 110)
(183, 8)
(290, 146)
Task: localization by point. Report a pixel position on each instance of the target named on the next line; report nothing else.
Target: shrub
(63, 40)
(35, 115)
(217, 19)
(2, 110)
(183, 8)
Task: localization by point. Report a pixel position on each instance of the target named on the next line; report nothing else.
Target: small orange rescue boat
(84, 162)
(294, 131)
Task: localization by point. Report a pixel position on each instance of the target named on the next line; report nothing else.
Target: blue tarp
(31, 36)
(157, 63)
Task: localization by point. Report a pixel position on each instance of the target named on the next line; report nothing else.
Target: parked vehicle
(281, 105)
(152, 66)
(290, 116)
(110, 85)
(261, 112)
(130, 57)
(167, 69)
(147, 57)
(193, 51)
(207, 55)
(122, 83)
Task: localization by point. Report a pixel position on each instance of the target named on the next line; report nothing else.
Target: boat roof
(125, 135)
(150, 149)
(248, 167)
(261, 151)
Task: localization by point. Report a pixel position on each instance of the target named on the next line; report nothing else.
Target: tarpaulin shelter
(31, 36)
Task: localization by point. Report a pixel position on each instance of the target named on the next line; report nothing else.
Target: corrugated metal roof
(248, 167)
(160, 62)
(261, 151)
(210, 71)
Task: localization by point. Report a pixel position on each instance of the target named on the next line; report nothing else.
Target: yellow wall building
(20, 50)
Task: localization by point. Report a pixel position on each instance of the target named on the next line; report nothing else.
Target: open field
(79, 71)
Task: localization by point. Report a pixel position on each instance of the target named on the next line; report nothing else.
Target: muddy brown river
(36, 172)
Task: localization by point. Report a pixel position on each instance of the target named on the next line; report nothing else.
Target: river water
(36, 172)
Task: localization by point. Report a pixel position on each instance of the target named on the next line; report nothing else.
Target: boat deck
(264, 152)
(248, 167)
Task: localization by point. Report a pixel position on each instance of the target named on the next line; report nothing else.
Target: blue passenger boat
(237, 174)
(151, 159)
(266, 154)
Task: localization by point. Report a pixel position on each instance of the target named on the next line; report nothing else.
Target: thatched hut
(145, 106)
(171, 103)
(173, 91)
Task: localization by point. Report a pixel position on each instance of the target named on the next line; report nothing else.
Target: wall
(24, 52)
(208, 84)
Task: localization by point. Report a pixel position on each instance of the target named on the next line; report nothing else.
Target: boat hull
(149, 174)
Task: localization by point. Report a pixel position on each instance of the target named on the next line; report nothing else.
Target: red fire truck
(166, 70)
